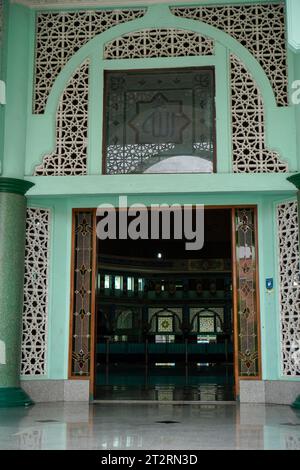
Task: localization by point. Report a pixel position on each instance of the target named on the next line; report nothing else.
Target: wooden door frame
(91, 376)
(232, 208)
(237, 377)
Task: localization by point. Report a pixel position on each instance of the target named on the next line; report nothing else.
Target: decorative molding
(13, 185)
(39, 4)
(35, 311)
(70, 156)
(289, 276)
(295, 179)
(259, 27)
(293, 15)
(249, 152)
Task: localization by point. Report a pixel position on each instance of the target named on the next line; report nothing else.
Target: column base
(46, 390)
(296, 403)
(277, 392)
(14, 396)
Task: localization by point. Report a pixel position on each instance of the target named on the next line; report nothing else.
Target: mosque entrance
(151, 319)
(164, 316)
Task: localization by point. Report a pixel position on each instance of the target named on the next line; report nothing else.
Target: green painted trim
(295, 179)
(296, 403)
(14, 185)
(14, 396)
(41, 135)
(15, 126)
(158, 16)
(267, 269)
(160, 184)
(3, 69)
(52, 6)
(60, 259)
(292, 17)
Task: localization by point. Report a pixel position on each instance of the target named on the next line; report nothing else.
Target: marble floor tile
(112, 426)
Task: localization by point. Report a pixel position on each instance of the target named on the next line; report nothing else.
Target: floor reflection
(136, 426)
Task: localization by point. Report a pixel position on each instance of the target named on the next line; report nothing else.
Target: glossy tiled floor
(139, 426)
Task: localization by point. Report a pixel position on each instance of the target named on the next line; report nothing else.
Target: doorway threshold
(165, 402)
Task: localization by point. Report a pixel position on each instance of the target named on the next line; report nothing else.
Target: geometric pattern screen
(60, 34)
(70, 155)
(259, 27)
(249, 151)
(289, 276)
(159, 43)
(35, 310)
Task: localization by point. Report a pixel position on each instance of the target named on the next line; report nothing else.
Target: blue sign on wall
(270, 283)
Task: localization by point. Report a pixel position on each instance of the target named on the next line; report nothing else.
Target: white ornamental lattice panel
(260, 28)
(249, 152)
(158, 43)
(35, 311)
(60, 34)
(70, 156)
(289, 270)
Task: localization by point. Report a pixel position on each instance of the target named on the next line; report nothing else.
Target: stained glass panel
(165, 324)
(82, 293)
(207, 324)
(247, 302)
(160, 121)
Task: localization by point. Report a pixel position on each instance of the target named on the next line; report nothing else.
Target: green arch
(158, 17)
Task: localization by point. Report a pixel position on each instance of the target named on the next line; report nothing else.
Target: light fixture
(159, 255)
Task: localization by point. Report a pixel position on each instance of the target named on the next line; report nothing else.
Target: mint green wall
(28, 137)
(60, 266)
(297, 107)
(36, 134)
(59, 306)
(16, 92)
(3, 57)
(280, 122)
(293, 15)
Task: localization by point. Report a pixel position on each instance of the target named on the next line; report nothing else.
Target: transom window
(159, 121)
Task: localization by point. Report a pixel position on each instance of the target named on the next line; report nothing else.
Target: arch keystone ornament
(12, 250)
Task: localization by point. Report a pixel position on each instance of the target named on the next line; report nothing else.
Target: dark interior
(164, 317)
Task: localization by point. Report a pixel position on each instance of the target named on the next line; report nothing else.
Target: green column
(12, 250)
(295, 179)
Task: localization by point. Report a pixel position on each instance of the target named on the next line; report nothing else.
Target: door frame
(237, 378)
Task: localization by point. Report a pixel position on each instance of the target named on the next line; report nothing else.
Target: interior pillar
(12, 251)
